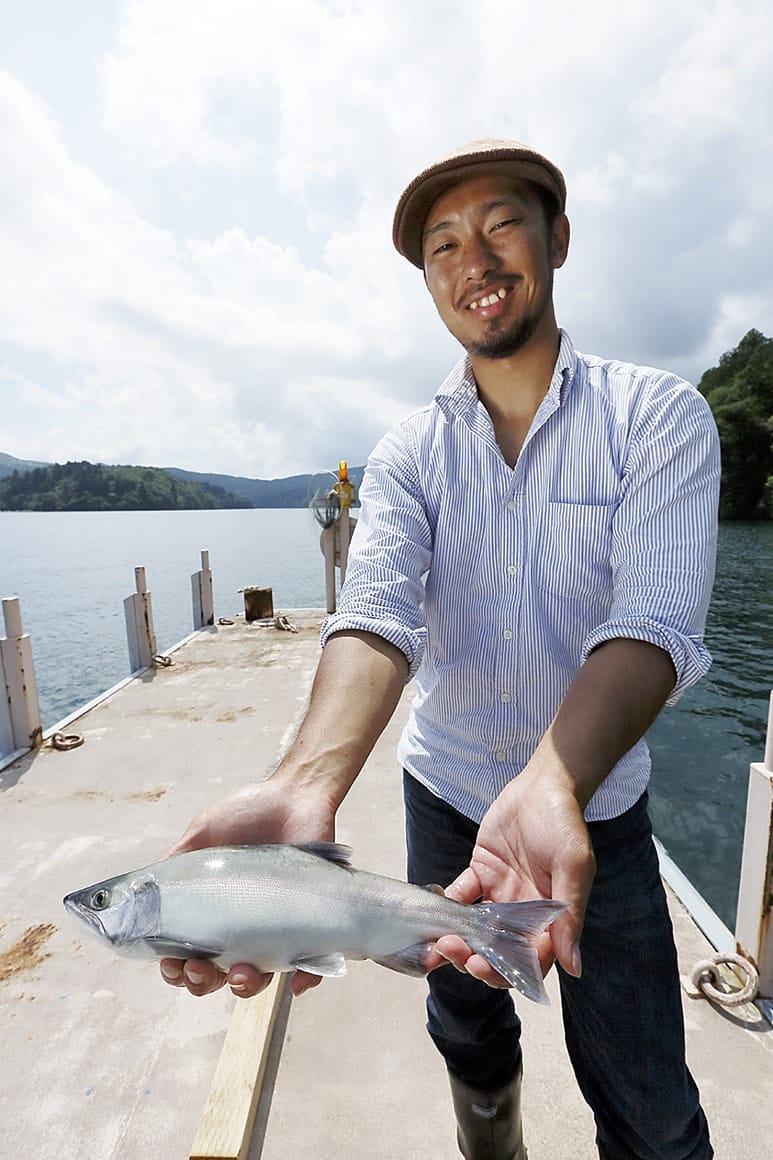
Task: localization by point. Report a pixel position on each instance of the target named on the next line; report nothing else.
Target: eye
(443, 248)
(507, 222)
(100, 899)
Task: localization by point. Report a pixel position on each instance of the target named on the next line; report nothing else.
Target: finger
(455, 951)
(573, 886)
(466, 888)
(245, 981)
(190, 840)
(545, 953)
(172, 972)
(302, 982)
(202, 978)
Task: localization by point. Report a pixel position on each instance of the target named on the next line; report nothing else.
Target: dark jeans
(622, 1020)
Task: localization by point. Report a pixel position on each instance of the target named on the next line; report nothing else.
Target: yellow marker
(344, 488)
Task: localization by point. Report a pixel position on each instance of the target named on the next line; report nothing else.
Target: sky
(196, 267)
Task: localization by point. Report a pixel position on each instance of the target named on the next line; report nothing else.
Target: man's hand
(265, 813)
(532, 843)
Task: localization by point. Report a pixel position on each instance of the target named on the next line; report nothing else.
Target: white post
(754, 920)
(344, 530)
(201, 588)
(140, 632)
(329, 551)
(19, 685)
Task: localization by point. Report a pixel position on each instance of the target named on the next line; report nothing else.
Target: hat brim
(417, 199)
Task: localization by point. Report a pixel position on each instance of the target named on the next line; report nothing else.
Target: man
(536, 547)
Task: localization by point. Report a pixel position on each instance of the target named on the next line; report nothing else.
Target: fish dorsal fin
(330, 851)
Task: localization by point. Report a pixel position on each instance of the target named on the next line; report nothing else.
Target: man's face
(488, 262)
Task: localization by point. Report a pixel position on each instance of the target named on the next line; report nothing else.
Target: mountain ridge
(285, 492)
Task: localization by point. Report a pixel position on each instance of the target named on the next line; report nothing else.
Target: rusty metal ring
(65, 741)
(224, 620)
(705, 977)
(162, 662)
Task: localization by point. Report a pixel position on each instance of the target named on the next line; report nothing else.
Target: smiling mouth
(489, 299)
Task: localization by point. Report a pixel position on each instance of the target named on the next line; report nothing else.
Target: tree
(94, 487)
(740, 393)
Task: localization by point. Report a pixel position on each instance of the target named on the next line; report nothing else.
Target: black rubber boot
(488, 1124)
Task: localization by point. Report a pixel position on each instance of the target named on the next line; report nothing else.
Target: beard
(500, 344)
(505, 344)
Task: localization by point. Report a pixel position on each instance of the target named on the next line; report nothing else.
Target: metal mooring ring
(65, 741)
(705, 975)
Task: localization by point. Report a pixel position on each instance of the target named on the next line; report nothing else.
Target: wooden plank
(225, 1128)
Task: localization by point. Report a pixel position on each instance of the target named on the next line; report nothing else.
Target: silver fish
(286, 907)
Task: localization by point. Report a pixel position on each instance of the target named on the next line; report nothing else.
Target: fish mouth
(84, 915)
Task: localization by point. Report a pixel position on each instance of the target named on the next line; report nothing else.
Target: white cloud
(290, 334)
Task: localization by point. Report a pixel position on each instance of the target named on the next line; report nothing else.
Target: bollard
(201, 590)
(346, 494)
(258, 604)
(21, 726)
(337, 533)
(754, 920)
(140, 633)
(328, 545)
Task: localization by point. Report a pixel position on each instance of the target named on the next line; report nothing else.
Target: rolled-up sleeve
(664, 532)
(390, 551)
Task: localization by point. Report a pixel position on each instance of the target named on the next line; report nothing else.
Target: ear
(559, 241)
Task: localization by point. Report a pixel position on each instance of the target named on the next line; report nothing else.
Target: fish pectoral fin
(409, 961)
(167, 948)
(332, 965)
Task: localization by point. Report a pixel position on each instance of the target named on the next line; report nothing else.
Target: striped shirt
(497, 582)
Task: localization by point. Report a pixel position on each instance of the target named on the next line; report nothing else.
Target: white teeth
(490, 299)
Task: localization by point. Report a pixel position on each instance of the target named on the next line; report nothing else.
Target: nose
(479, 259)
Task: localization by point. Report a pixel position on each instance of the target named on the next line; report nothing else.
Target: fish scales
(284, 907)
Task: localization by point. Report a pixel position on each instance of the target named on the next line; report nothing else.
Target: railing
(20, 727)
(21, 731)
(20, 723)
(754, 921)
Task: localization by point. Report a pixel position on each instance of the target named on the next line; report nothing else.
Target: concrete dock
(102, 1060)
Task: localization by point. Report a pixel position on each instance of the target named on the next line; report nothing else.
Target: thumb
(466, 888)
(572, 886)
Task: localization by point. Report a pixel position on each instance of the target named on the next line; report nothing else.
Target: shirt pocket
(573, 550)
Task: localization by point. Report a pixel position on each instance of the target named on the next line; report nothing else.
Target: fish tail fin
(507, 941)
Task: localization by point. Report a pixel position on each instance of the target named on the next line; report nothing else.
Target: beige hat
(509, 157)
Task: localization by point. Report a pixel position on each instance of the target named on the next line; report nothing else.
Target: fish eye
(100, 899)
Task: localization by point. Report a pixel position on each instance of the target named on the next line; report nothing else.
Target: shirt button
(508, 634)
(500, 755)
(505, 696)
(511, 569)
(511, 505)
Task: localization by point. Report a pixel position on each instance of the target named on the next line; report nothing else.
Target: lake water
(72, 571)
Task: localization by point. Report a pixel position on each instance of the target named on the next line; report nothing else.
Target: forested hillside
(72, 487)
(9, 464)
(740, 393)
(292, 491)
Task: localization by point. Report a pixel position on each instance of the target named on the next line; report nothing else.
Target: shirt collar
(459, 392)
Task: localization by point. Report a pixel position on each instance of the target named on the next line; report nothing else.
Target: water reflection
(702, 747)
